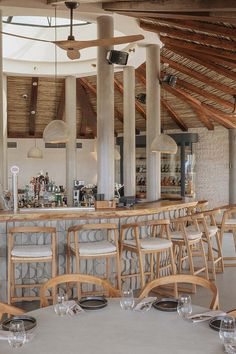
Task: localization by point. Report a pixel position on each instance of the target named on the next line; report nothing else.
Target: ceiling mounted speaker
(117, 57)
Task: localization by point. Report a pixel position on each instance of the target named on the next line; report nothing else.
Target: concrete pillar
(232, 166)
(153, 121)
(105, 112)
(3, 123)
(71, 152)
(129, 131)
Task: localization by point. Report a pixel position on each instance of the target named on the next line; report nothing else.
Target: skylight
(36, 21)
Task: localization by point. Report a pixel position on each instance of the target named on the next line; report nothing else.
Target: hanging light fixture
(57, 131)
(164, 143)
(35, 152)
(117, 153)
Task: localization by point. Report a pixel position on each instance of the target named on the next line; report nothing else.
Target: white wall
(53, 162)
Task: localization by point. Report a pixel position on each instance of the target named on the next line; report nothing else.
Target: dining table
(111, 330)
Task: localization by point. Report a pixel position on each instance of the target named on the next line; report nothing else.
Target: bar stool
(29, 253)
(105, 248)
(228, 224)
(188, 244)
(152, 239)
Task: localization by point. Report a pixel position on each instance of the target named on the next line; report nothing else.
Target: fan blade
(73, 54)
(73, 44)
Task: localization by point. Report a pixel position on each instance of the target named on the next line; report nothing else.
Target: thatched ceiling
(199, 49)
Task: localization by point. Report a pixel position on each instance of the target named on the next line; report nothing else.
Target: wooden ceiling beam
(211, 28)
(225, 54)
(206, 17)
(33, 105)
(198, 76)
(89, 117)
(174, 115)
(188, 35)
(61, 106)
(211, 59)
(138, 105)
(214, 114)
(172, 5)
(204, 62)
(141, 75)
(194, 103)
(207, 95)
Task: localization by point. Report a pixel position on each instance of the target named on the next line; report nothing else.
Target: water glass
(127, 300)
(227, 330)
(16, 335)
(61, 306)
(184, 307)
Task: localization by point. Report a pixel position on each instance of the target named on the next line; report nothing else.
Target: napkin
(3, 335)
(145, 304)
(205, 316)
(73, 308)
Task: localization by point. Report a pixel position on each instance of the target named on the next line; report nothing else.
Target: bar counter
(62, 220)
(67, 214)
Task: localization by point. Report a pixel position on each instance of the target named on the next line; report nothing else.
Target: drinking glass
(184, 307)
(61, 306)
(127, 299)
(16, 335)
(227, 330)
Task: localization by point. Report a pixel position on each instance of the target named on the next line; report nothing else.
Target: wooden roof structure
(199, 50)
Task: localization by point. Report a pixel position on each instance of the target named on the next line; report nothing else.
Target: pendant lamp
(35, 152)
(57, 131)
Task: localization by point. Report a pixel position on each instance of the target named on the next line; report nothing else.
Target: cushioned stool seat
(151, 243)
(93, 248)
(32, 251)
(192, 235)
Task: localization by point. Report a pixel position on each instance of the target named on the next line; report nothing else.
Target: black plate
(29, 322)
(214, 322)
(93, 302)
(166, 304)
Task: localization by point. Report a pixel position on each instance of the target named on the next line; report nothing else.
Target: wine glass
(127, 300)
(16, 335)
(61, 306)
(227, 331)
(184, 307)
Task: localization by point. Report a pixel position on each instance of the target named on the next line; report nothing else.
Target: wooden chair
(29, 253)
(107, 248)
(232, 313)
(75, 278)
(147, 242)
(9, 310)
(188, 243)
(184, 278)
(198, 208)
(228, 224)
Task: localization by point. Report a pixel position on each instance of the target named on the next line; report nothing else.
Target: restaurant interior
(118, 176)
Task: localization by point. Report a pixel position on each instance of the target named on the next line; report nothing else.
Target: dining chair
(78, 279)
(26, 253)
(151, 242)
(9, 310)
(188, 246)
(105, 247)
(184, 278)
(228, 224)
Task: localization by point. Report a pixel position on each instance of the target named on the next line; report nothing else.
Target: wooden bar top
(76, 213)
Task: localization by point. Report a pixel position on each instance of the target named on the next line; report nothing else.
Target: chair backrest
(78, 278)
(31, 230)
(184, 278)
(10, 310)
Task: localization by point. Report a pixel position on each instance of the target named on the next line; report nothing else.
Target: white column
(153, 121)
(3, 123)
(129, 131)
(105, 112)
(71, 155)
(232, 166)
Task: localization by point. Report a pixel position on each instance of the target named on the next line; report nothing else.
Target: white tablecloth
(112, 331)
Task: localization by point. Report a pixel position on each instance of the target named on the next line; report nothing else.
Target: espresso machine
(77, 196)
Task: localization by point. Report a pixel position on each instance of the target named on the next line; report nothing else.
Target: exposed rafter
(33, 105)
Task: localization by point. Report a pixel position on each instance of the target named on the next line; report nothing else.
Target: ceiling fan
(73, 46)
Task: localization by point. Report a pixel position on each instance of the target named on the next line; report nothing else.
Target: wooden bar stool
(228, 224)
(188, 244)
(105, 248)
(29, 253)
(149, 238)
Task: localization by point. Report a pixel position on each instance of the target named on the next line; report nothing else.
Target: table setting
(106, 325)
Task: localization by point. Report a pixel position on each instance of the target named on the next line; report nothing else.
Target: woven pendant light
(35, 152)
(165, 144)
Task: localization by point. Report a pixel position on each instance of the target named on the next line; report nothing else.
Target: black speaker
(117, 57)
